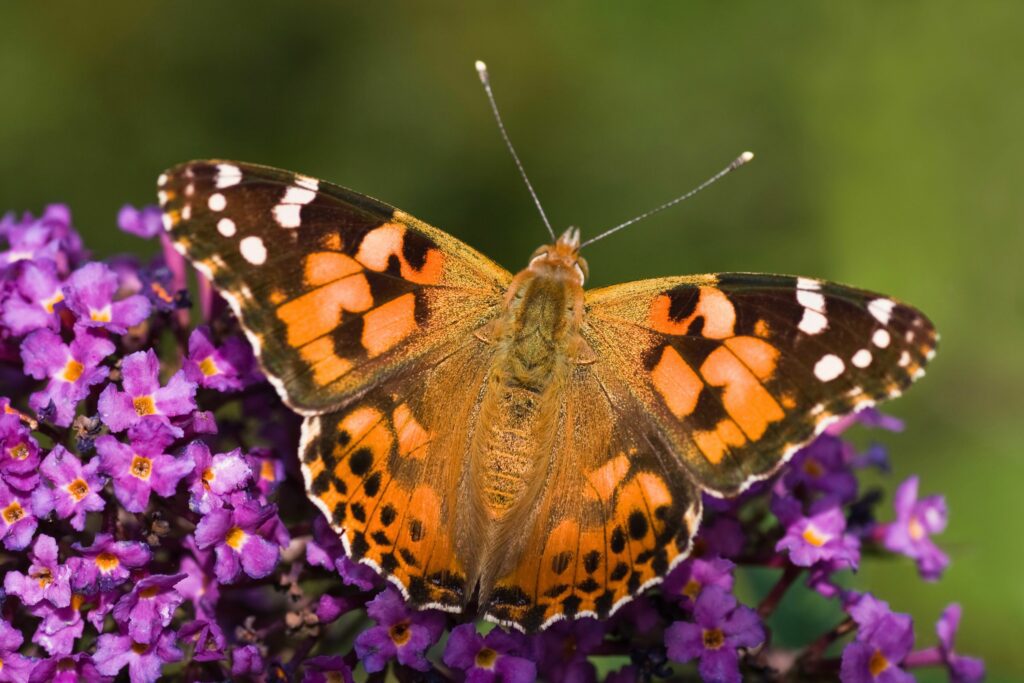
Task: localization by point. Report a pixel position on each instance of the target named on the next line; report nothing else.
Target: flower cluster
(152, 522)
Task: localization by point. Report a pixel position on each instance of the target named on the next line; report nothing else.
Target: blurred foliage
(887, 135)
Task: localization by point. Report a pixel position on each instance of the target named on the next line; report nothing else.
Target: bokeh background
(889, 155)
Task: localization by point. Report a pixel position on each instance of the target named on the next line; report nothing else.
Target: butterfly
(516, 441)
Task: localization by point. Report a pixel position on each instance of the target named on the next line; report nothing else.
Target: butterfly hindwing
(335, 289)
(739, 370)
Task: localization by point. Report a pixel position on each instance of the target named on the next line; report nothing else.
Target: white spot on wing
(161, 180)
(288, 215)
(880, 338)
(862, 358)
(881, 309)
(829, 367)
(307, 182)
(807, 283)
(226, 227)
(228, 175)
(217, 202)
(904, 359)
(168, 223)
(253, 250)
(812, 322)
(809, 299)
(298, 195)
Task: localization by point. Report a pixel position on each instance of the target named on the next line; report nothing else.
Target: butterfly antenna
(481, 69)
(736, 163)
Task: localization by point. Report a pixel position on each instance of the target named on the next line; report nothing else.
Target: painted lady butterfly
(516, 440)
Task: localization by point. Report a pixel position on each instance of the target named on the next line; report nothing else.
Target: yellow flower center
(486, 657)
(13, 512)
(400, 633)
(815, 537)
(107, 562)
(144, 405)
(692, 589)
(48, 304)
(877, 664)
(141, 467)
(236, 538)
(20, 451)
(713, 638)
(72, 371)
(915, 528)
(101, 316)
(78, 489)
(208, 476)
(77, 600)
(208, 367)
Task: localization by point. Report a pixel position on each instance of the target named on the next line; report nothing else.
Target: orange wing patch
(712, 306)
(677, 383)
(384, 243)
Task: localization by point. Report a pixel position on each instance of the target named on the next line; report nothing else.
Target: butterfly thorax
(536, 344)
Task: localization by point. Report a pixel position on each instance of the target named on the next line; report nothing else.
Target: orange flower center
(48, 304)
(486, 657)
(208, 367)
(139, 648)
(78, 489)
(20, 451)
(267, 471)
(812, 468)
(815, 537)
(208, 475)
(144, 405)
(713, 638)
(141, 467)
(161, 291)
(72, 371)
(66, 664)
(44, 576)
(400, 633)
(236, 538)
(692, 589)
(149, 593)
(13, 512)
(77, 600)
(107, 562)
(877, 664)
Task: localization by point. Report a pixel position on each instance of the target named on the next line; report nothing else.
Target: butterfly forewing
(739, 370)
(335, 289)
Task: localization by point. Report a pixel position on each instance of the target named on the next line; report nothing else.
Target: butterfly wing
(335, 290)
(617, 511)
(384, 468)
(737, 371)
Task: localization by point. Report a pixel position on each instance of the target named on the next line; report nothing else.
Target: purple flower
(75, 487)
(47, 578)
(916, 520)
(823, 467)
(269, 470)
(18, 516)
(485, 659)
(67, 668)
(326, 550)
(214, 476)
(401, 633)
(326, 669)
(561, 651)
(60, 626)
(330, 607)
(228, 368)
(37, 293)
(238, 538)
(142, 467)
(144, 222)
(207, 637)
(90, 292)
(149, 607)
(247, 661)
(961, 669)
(884, 639)
(722, 626)
(143, 396)
(71, 369)
(818, 538)
(115, 651)
(687, 581)
(19, 454)
(106, 563)
(722, 536)
(199, 585)
(16, 667)
(50, 237)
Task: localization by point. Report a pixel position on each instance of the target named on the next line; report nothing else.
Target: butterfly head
(561, 259)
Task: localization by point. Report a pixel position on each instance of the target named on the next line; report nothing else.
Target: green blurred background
(888, 155)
